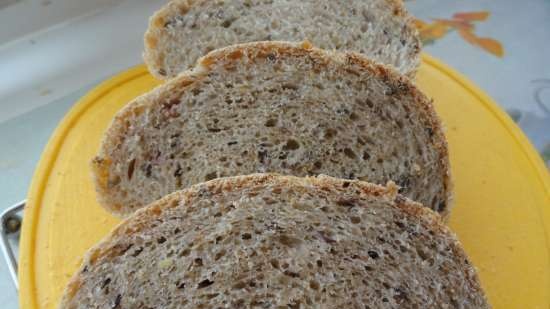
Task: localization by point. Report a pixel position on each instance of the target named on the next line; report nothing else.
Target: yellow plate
(502, 190)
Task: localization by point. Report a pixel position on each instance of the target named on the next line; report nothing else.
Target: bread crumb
(416, 168)
(165, 263)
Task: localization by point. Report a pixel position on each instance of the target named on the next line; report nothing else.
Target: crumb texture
(184, 30)
(278, 242)
(275, 107)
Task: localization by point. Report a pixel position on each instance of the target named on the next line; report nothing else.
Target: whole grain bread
(274, 107)
(272, 241)
(184, 30)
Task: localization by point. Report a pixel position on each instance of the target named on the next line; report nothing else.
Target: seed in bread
(278, 242)
(184, 30)
(274, 107)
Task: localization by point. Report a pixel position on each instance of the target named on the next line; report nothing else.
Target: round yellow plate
(502, 190)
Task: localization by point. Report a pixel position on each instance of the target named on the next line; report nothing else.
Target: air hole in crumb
(318, 86)
(131, 167)
(161, 240)
(246, 236)
(346, 202)
(268, 200)
(117, 301)
(185, 252)
(274, 263)
(366, 155)
(210, 176)
(430, 132)
(106, 282)
(137, 252)
(227, 23)
(314, 285)
(369, 103)
(319, 263)
(262, 155)
(204, 283)
(353, 116)
(291, 274)
(330, 133)
(178, 172)
(441, 206)
(271, 123)
(289, 86)
(355, 220)
(291, 145)
(219, 255)
(196, 91)
(198, 262)
(239, 285)
(289, 241)
(349, 153)
(399, 123)
(373, 254)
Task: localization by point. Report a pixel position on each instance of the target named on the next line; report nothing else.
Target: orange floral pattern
(464, 23)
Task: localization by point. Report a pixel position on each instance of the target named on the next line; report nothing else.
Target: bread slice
(184, 30)
(274, 107)
(272, 241)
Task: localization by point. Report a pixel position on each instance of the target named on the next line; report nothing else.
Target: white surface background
(53, 51)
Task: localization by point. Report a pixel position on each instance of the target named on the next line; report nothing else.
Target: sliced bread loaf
(272, 241)
(274, 107)
(184, 30)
